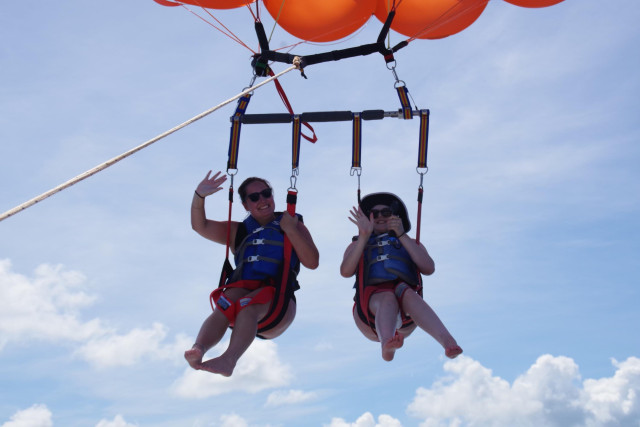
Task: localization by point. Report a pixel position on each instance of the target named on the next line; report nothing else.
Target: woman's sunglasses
(385, 212)
(266, 193)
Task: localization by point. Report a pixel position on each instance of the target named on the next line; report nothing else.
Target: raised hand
(365, 225)
(211, 184)
(394, 224)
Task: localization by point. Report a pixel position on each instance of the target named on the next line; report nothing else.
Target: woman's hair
(242, 190)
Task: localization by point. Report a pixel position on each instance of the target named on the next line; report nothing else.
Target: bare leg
(384, 306)
(211, 332)
(244, 332)
(427, 319)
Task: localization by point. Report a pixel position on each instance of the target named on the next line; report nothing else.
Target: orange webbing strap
(280, 300)
(422, 163)
(296, 132)
(234, 138)
(403, 94)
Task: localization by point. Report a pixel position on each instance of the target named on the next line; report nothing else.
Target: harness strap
(296, 132)
(281, 297)
(365, 293)
(403, 94)
(234, 138)
(356, 148)
(231, 308)
(423, 139)
(422, 168)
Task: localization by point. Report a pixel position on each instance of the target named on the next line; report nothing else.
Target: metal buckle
(382, 257)
(258, 242)
(253, 258)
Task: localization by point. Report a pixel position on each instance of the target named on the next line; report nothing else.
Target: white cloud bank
(367, 420)
(550, 393)
(48, 306)
(40, 416)
(35, 416)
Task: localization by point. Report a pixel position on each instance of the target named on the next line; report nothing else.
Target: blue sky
(531, 214)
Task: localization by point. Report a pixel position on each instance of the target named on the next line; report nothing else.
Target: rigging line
(276, 20)
(116, 159)
(227, 33)
(256, 16)
(236, 38)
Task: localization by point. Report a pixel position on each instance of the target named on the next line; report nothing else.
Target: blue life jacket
(384, 262)
(260, 254)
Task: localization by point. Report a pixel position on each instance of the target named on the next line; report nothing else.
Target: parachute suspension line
(122, 156)
(422, 168)
(356, 149)
(256, 16)
(448, 16)
(227, 32)
(276, 20)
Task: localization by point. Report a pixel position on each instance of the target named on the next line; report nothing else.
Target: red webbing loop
(287, 104)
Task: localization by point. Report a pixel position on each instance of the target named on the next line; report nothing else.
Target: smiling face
(380, 222)
(262, 209)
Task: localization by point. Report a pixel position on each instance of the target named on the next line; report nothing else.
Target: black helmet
(387, 199)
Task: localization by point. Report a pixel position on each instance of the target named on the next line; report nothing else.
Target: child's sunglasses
(385, 212)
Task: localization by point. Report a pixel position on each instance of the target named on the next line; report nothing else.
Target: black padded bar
(319, 116)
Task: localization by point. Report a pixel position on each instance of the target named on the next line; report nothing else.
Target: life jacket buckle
(253, 258)
(257, 242)
(382, 257)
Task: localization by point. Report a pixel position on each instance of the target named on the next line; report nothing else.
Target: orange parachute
(330, 20)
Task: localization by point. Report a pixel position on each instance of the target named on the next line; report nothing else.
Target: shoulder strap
(280, 299)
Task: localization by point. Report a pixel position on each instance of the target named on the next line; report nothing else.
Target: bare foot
(389, 348)
(219, 365)
(453, 352)
(194, 356)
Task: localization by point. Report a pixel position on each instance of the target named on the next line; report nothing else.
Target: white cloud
(35, 416)
(281, 397)
(550, 393)
(118, 421)
(616, 399)
(233, 420)
(367, 420)
(45, 306)
(258, 369)
(111, 349)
